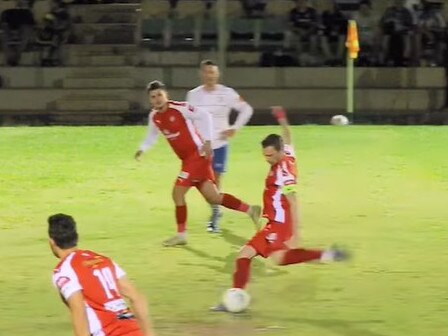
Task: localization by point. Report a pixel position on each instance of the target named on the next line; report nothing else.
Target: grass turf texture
(380, 191)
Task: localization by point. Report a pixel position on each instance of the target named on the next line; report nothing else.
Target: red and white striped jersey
(177, 124)
(96, 277)
(281, 175)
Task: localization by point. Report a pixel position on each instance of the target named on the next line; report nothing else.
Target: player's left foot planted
(177, 240)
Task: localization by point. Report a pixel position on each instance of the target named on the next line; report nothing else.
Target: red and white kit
(276, 208)
(96, 277)
(185, 128)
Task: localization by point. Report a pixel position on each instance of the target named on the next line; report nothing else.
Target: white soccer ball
(339, 120)
(236, 300)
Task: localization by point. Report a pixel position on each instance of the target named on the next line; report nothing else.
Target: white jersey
(219, 104)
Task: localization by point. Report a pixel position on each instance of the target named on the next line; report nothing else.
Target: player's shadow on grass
(232, 238)
(340, 327)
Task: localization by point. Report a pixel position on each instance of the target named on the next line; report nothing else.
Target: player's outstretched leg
(211, 194)
(300, 255)
(180, 238)
(241, 275)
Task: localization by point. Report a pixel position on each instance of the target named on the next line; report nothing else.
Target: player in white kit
(219, 101)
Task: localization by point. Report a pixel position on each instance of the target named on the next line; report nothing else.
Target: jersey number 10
(107, 281)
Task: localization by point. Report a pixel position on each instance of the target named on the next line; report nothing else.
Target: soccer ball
(339, 120)
(236, 300)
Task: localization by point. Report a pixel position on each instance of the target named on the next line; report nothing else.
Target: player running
(176, 121)
(278, 240)
(219, 101)
(93, 286)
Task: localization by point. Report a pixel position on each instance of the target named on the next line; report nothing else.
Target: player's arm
(244, 110)
(138, 304)
(70, 291)
(204, 122)
(78, 314)
(279, 114)
(150, 139)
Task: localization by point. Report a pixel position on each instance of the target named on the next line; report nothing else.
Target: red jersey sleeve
(289, 170)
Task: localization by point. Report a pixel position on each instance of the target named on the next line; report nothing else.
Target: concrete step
(104, 33)
(76, 50)
(101, 60)
(92, 119)
(125, 13)
(98, 72)
(99, 82)
(105, 8)
(96, 104)
(90, 28)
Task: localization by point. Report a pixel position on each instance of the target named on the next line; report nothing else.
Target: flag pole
(352, 45)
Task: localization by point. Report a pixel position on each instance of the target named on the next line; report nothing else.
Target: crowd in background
(21, 32)
(402, 36)
(408, 33)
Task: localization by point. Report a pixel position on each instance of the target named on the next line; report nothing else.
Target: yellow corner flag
(352, 42)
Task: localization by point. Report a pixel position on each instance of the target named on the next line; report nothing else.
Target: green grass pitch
(380, 191)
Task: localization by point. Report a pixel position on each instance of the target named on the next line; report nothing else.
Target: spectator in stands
(254, 8)
(208, 7)
(334, 27)
(304, 23)
(17, 25)
(173, 8)
(368, 34)
(47, 40)
(431, 34)
(397, 26)
(61, 26)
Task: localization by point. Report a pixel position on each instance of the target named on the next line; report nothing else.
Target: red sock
(242, 272)
(297, 256)
(234, 203)
(181, 218)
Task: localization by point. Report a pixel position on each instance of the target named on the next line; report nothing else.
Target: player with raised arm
(219, 101)
(278, 240)
(93, 287)
(177, 121)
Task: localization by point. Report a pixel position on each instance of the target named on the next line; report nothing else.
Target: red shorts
(123, 328)
(134, 333)
(195, 171)
(271, 238)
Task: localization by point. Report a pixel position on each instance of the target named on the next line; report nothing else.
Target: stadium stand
(118, 47)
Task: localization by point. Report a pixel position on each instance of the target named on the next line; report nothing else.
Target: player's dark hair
(207, 62)
(62, 229)
(155, 85)
(273, 140)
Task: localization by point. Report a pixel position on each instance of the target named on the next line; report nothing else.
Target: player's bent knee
(178, 197)
(214, 199)
(247, 251)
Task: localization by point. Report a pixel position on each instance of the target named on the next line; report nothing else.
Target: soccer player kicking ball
(177, 121)
(279, 238)
(93, 286)
(219, 101)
